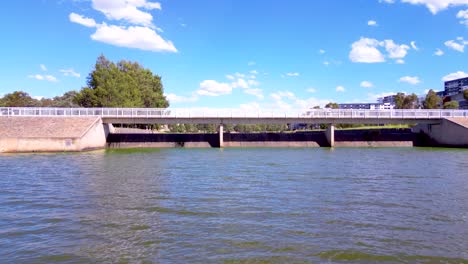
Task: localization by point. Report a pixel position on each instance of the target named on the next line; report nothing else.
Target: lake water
(352, 205)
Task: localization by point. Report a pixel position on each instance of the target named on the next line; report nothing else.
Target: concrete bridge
(426, 119)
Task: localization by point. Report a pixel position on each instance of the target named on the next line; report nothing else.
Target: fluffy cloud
(396, 51)
(367, 84)
(41, 77)
(43, 67)
(458, 44)
(454, 76)
(340, 89)
(413, 80)
(367, 50)
(312, 90)
(240, 83)
(137, 37)
(372, 23)
(255, 92)
(127, 10)
(413, 45)
(84, 21)
(322, 51)
(433, 5)
(70, 72)
(137, 31)
(173, 98)
(463, 15)
(213, 88)
(438, 52)
(292, 74)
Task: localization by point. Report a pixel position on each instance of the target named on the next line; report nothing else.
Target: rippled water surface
(235, 206)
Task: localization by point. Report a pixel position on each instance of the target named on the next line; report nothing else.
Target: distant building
(367, 106)
(390, 99)
(456, 86)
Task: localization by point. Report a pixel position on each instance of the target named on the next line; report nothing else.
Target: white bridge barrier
(232, 113)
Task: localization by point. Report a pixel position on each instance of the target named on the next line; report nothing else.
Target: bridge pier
(221, 134)
(330, 134)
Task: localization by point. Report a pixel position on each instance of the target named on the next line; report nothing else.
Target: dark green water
(236, 206)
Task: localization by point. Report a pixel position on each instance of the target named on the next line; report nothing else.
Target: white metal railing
(232, 113)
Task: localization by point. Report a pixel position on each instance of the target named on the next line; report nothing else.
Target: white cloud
(292, 74)
(40, 77)
(463, 15)
(312, 90)
(400, 61)
(256, 92)
(365, 51)
(438, 52)
(239, 75)
(367, 84)
(254, 72)
(127, 10)
(240, 83)
(136, 37)
(326, 63)
(387, 1)
(413, 45)
(372, 23)
(396, 51)
(322, 51)
(43, 67)
(38, 97)
(136, 30)
(213, 88)
(70, 72)
(454, 76)
(340, 89)
(253, 83)
(84, 21)
(437, 5)
(458, 44)
(173, 98)
(413, 80)
(230, 77)
(250, 107)
(251, 63)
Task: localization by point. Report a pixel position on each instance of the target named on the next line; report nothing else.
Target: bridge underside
(247, 120)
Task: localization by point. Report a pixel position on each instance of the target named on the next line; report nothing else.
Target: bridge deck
(237, 116)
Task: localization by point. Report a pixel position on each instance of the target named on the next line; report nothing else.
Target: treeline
(411, 101)
(121, 84)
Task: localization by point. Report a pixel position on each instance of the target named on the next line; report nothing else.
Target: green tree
(66, 100)
(451, 105)
(465, 94)
(332, 105)
(403, 101)
(19, 99)
(122, 84)
(432, 101)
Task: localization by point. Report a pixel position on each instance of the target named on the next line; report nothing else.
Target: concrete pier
(221, 134)
(330, 133)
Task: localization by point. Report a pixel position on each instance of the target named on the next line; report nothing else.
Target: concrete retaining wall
(449, 133)
(51, 134)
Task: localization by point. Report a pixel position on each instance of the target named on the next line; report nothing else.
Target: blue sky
(240, 53)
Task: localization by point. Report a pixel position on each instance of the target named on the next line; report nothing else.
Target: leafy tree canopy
(432, 101)
(332, 105)
(451, 105)
(403, 101)
(122, 84)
